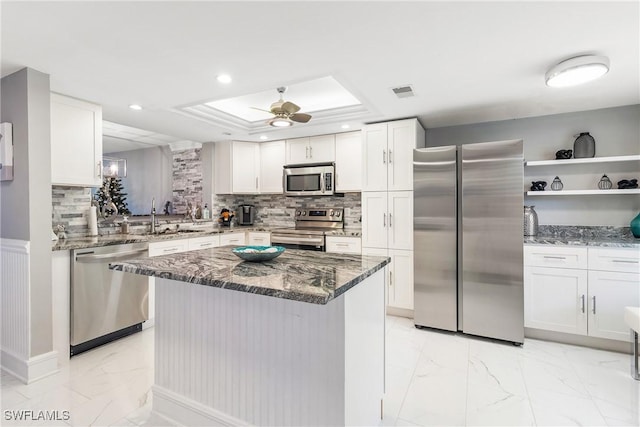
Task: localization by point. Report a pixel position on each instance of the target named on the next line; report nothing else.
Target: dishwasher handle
(90, 257)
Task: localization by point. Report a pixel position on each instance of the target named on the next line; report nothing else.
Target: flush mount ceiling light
(135, 107)
(577, 70)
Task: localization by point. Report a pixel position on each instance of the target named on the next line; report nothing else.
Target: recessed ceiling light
(135, 107)
(578, 70)
(345, 126)
(224, 78)
(263, 137)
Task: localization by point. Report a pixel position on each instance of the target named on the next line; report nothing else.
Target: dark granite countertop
(610, 242)
(119, 239)
(307, 276)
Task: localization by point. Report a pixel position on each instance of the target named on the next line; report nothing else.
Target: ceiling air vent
(405, 91)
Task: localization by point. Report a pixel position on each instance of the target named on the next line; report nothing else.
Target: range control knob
(331, 212)
(304, 213)
(298, 213)
(338, 213)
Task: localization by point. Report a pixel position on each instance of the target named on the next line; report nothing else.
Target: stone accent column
(187, 175)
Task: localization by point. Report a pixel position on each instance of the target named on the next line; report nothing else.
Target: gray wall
(149, 175)
(26, 201)
(616, 131)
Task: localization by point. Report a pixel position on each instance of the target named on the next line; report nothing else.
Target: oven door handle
(104, 258)
(278, 238)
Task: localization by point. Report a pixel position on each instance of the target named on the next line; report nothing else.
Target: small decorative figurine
(538, 185)
(564, 154)
(60, 232)
(627, 184)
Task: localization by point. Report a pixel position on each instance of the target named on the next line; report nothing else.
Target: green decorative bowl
(258, 253)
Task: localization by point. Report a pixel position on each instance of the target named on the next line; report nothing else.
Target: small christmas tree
(112, 189)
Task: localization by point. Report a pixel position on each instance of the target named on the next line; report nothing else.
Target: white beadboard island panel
(237, 358)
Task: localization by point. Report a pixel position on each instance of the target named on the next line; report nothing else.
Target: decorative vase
(584, 146)
(605, 183)
(635, 226)
(556, 185)
(530, 221)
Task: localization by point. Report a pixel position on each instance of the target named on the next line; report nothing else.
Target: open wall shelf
(614, 159)
(582, 192)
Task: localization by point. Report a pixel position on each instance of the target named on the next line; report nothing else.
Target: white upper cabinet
(236, 167)
(272, 159)
(315, 149)
(76, 142)
(348, 162)
(388, 154)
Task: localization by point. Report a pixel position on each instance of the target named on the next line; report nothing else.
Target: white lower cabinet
(204, 242)
(609, 293)
(585, 301)
(259, 238)
(168, 247)
(343, 245)
(555, 299)
(233, 238)
(400, 276)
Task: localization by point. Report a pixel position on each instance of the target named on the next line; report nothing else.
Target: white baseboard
(30, 370)
(400, 312)
(183, 411)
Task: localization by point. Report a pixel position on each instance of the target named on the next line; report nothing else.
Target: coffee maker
(246, 214)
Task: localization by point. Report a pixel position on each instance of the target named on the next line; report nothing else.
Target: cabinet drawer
(345, 245)
(259, 238)
(168, 247)
(614, 259)
(237, 238)
(204, 242)
(555, 256)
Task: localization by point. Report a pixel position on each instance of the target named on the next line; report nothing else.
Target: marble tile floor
(433, 378)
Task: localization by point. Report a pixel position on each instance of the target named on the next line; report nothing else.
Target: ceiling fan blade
(260, 109)
(290, 107)
(300, 117)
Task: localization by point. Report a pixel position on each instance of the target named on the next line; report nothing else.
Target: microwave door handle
(322, 182)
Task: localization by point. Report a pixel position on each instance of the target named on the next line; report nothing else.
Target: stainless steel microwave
(309, 180)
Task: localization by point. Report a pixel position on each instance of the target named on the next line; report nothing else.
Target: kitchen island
(298, 340)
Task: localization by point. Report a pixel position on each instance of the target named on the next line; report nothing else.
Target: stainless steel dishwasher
(106, 304)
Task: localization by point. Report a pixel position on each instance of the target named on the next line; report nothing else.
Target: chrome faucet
(153, 215)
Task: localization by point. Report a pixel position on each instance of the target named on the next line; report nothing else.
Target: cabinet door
(401, 140)
(322, 148)
(374, 219)
(245, 167)
(348, 162)
(298, 151)
(555, 299)
(400, 220)
(76, 142)
(609, 294)
(374, 158)
(259, 238)
(401, 279)
(272, 159)
(235, 238)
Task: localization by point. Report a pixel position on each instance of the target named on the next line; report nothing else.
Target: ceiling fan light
(578, 70)
(280, 122)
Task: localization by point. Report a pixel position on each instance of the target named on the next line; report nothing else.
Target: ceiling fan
(285, 112)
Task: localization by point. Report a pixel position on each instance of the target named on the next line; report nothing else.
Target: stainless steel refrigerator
(468, 239)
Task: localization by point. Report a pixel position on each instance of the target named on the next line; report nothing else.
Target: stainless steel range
(311, 227)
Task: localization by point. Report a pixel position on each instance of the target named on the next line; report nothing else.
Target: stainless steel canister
(530, 221)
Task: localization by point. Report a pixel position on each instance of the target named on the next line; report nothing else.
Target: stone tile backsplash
(187, 179)
(70, 207)
(277, 210)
